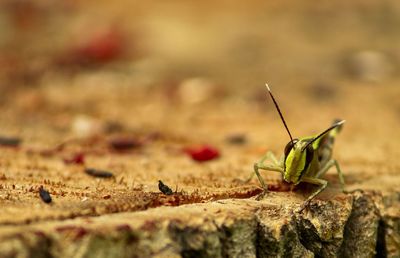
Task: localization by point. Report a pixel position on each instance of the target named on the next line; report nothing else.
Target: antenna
(279, 111)
(324, 132)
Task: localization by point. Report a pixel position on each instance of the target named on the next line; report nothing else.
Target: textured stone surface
(212, 212)
(343, 227)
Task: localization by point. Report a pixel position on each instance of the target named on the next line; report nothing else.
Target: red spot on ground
(96, 48)
(203, 153)
(78, 159)
(102, 48)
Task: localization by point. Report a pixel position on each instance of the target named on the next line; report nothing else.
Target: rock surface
(347, 226)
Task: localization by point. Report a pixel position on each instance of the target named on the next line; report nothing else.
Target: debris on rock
(203, 153)
(164, 188)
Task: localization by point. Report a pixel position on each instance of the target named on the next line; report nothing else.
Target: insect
(10, 141)
(98, 173)
(164, 188)
(305, 159)
(44, 195)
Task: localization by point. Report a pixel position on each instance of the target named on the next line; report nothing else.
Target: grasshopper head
(298, 156)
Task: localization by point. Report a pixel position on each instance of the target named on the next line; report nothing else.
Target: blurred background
(234, 44)
(108, 60)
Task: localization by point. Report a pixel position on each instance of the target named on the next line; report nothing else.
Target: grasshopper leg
(258, 166)
(325, 169)
(340, 174)
(260, 179)
(316, 181)
(271, 157)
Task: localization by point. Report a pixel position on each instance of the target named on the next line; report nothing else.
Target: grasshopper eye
(289, 147)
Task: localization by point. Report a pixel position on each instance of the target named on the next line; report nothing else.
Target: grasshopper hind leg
(321, 182)
(325, 169)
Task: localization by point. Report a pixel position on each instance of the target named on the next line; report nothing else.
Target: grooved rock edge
(363, 224)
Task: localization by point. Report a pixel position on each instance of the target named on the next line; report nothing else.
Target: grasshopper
(304, 160)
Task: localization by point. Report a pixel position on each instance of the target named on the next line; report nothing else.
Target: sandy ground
(161, 132)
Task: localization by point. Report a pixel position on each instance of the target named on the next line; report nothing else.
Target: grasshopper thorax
(298, 155)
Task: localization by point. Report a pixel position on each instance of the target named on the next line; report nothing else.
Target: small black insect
(44, 195)
(124, 143)
(164, 188)
(236, 139)
(98, 173)
(10, 141)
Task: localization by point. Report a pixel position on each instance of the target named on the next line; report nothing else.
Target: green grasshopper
(304, 160)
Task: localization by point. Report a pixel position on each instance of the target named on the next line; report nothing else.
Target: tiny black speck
(237, 139)
(10, 141)
(44, 195)
(164, 188)
(98, 173)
